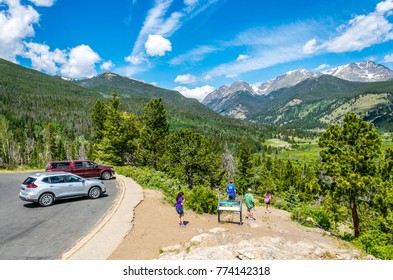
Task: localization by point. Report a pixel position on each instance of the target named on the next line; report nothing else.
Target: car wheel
(95, 192)
(46, 199)
(106, 175)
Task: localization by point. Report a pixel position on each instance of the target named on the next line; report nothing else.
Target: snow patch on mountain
(365, 71)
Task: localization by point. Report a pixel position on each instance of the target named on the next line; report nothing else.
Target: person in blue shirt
(231, 190)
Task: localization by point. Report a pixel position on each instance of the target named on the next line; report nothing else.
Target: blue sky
(194, 46)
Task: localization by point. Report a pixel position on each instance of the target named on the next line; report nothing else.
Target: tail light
(31, 186)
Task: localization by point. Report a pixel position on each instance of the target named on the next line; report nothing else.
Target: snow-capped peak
(365, 71)
(288, 79)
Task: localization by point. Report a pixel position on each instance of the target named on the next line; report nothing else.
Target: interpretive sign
(229, 205)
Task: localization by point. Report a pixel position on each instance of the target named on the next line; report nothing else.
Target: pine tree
(245, 166)
(189, 156)
(154, 131)
(348, 157)
(98, 118)
(120, 129)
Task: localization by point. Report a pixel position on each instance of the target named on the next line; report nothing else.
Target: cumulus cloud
(384, 6)
(81, 62)
(78, 62)
(43, 59)
(156, 45)
(16, 24)
(186, 79)
(107, 65)
(43, 3)
(198, 93)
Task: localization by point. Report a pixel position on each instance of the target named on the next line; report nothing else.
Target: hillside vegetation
(44, 117)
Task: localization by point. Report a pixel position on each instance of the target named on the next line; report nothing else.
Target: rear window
(29, 180)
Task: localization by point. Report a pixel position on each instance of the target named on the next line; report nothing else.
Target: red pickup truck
(83, 168)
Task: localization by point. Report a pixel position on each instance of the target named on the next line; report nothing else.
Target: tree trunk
(355, 218)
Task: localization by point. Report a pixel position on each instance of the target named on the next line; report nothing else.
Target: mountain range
(309, 100)
(298, 98)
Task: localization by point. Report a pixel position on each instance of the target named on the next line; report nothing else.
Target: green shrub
(151, 179)
(202, 200)
(302, 213)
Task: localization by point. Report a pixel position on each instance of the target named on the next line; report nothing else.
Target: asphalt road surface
(31, 232)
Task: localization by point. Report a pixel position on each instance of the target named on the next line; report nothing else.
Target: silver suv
(47, 187)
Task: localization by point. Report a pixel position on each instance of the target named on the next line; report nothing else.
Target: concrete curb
(113, 228)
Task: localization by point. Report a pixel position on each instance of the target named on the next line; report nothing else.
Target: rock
(175, 248)
(218, 230)
(371, 258)
(205, 238)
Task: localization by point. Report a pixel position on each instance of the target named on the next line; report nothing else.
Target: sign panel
(230, 205)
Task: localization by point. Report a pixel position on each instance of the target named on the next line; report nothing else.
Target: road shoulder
(113, 228)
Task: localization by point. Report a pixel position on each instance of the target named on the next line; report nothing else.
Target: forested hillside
(44, 117)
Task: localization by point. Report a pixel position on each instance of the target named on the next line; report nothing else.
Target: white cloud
(156, 45)
(260, 60)
(78, 62)
(362, 32)
(186, 79)
(43, 59)
(198, 93)
(160, 22)
(81, 62)
(16, 24)
(136, 59)
(154, 21)
(266, 48)
(388, 58)
(310, 47)
(242, 57)
(322, 67)
(190, 2)
(194, 55)
(43, 3)
(384, 6)
(107, 65)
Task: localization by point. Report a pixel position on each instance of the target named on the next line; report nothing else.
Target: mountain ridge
(295, 89)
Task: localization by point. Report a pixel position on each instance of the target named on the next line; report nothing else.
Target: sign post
(231, 206)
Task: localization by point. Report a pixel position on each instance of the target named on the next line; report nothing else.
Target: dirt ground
(156, 227)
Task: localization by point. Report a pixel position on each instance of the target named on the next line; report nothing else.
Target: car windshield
(29, 180)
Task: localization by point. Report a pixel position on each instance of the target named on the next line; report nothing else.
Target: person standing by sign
(231, 190)
(249, 198)
(179, 208)
(268, 198)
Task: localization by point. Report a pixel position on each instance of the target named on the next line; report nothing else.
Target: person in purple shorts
(179, 208)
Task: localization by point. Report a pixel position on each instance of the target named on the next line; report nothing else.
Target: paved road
(28, 231)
